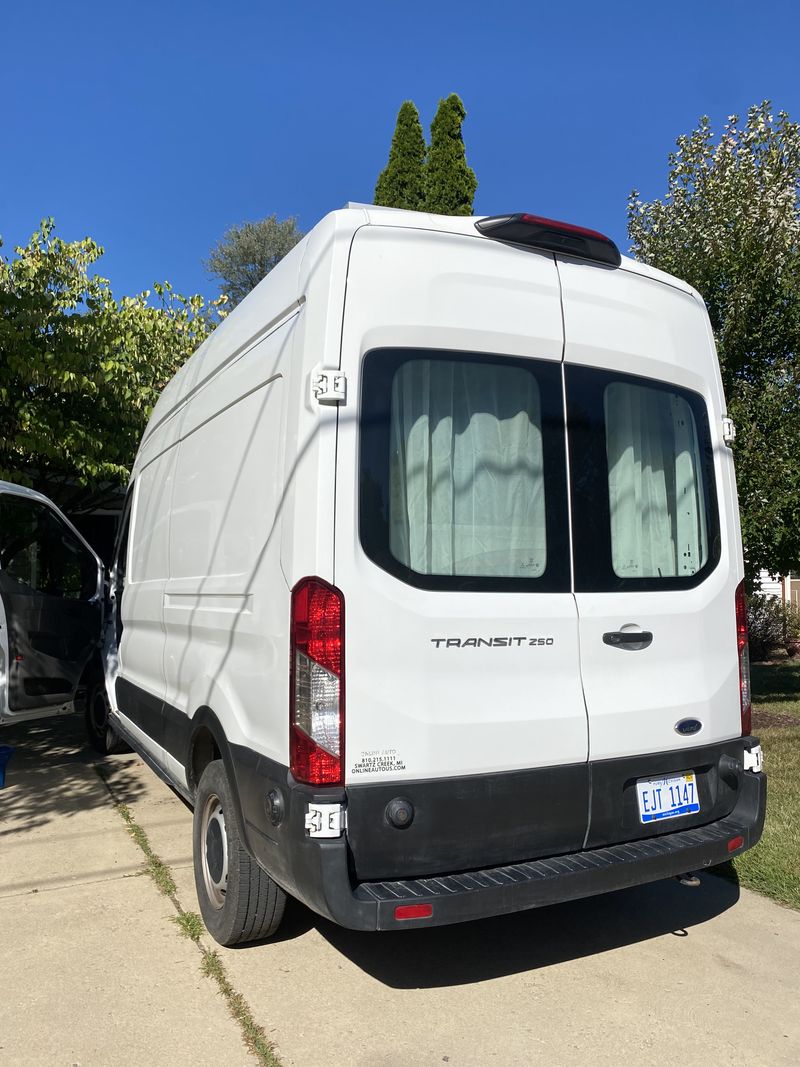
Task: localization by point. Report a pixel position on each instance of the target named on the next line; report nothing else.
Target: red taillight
(549, 234)
(744, 661)
(734, 843)
(563, 227)
(316, 691)
(413, 911)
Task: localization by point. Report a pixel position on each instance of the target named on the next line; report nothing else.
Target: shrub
(772, 625)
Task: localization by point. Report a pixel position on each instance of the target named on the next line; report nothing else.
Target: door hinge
(329, 386)
(753, 759)
(325, 820)
(728, 430)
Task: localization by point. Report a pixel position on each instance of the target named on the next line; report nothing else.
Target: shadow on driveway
(52, 774)
(527, 941)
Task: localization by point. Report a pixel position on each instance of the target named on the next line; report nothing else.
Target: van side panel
(309, 474)
(139, 688)
(224, 602)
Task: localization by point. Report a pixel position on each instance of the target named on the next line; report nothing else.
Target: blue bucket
(6, 752)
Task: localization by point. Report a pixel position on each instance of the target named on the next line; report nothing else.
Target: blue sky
(152, 127)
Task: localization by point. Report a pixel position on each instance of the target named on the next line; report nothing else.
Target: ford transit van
(428, 593)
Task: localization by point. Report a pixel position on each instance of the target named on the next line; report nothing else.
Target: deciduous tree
(248, 252)
(730, 226)
(81, 371)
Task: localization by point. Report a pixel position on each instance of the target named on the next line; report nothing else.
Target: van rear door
(653, 516)
(462, 686)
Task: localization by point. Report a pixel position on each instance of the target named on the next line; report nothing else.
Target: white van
(51, 617)
(429, 586)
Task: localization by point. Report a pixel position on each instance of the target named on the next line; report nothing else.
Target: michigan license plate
(667, 798)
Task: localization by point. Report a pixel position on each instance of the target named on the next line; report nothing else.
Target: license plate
(667, 798)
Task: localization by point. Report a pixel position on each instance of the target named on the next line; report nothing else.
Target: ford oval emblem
(687, 727)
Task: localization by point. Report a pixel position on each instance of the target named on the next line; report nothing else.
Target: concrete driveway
(96, 972)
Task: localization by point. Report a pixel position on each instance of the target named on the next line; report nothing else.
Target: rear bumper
(319, 872)
(497, 891)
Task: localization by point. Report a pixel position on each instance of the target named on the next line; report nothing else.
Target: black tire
(238, 900)
(102, 736)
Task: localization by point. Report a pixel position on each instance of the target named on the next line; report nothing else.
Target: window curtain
(466, 476)
(654, 483)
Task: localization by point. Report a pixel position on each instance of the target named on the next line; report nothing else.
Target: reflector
(413, 911)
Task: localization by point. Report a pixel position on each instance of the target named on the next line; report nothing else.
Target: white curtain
(466, 478)
(654, 483)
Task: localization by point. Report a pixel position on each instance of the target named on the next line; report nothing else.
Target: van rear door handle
(632, 639)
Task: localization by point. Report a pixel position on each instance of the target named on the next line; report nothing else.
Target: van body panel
(617, 321)
(220, 612)
(309, 465)
(418, 707)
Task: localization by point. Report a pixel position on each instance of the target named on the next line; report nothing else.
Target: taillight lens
(316, 694)
(744, 661)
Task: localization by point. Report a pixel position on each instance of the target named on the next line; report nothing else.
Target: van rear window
(463, 470)
(644, 503)
(655, 483)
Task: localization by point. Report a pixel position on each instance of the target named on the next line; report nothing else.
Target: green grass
(773, 866)
(254, 1036)
(191, 925)
(776, 688)
(156, 868)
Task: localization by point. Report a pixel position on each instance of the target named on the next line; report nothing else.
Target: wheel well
(204, 750)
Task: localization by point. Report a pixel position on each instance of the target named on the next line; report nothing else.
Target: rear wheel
(102, 736)
(238, 900)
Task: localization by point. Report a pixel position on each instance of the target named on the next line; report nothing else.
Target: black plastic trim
(467, 821)
(552, 236)
(622, 852)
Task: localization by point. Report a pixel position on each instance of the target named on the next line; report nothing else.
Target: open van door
(51, 606)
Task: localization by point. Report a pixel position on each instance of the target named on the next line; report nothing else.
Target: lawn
(773, 866)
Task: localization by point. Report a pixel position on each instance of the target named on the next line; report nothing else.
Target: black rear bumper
(320, 872)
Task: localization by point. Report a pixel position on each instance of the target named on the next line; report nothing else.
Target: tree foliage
(730, 226)
(81, 371)
(450, 183)
(402, 182)
(247, 253)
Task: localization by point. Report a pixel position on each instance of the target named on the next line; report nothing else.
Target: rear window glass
(655, 483)
(644, 503)
(462, 470)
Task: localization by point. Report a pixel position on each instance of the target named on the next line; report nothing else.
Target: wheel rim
(215, 851)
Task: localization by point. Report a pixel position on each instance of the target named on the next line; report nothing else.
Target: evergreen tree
(401, 183)
(450, 183)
